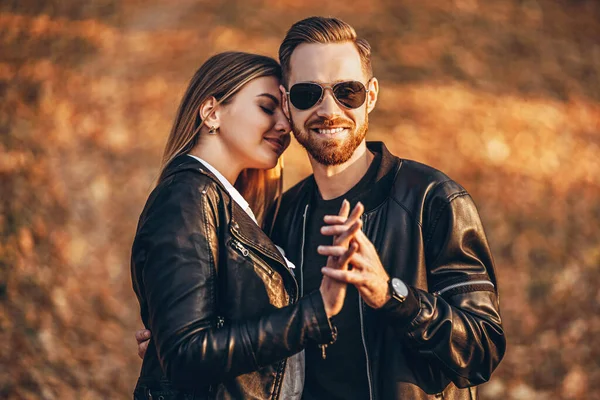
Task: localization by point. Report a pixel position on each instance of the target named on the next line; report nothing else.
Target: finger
(332, 251)
(334, 220)
(357, 212)
(142, 348)
(344, 238)
(348, 220)
(339, 275)
(339, 230)
(142, 335)
(344, 209)
(344, 260)
(362, 239)
(333, 230)
(358, 261)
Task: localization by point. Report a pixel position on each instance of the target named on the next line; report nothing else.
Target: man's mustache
(321, 122)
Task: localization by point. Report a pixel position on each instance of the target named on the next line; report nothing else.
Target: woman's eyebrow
(270, 96)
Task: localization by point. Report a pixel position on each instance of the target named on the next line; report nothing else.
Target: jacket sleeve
(457, 323)
(180, 240)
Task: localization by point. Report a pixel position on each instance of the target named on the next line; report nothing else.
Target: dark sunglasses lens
(350, 94)
(305, 95)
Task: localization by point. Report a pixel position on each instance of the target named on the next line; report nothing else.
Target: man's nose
(328, 107)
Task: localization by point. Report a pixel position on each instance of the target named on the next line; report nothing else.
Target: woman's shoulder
(184, 189)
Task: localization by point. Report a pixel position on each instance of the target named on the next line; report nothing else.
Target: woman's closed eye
(267, 110)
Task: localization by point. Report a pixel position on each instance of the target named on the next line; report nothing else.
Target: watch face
(399, 287)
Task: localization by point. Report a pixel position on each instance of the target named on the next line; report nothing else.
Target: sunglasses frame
(331, 87)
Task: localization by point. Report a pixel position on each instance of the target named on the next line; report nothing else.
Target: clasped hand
(352, 248)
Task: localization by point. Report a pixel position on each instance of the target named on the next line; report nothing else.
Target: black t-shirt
(343, 374)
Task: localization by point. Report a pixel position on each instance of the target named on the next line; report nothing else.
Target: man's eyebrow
(270, 96)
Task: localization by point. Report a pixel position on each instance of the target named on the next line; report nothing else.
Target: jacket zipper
(298, 294)
(457, 285)
(323, 347)
(238, 239)
(258, 261)
(362, 334)
(364, 341)
(302, 250)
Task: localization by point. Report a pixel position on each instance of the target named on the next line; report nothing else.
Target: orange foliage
(503, 96)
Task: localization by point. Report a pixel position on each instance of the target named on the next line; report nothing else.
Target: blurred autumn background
(502, 95)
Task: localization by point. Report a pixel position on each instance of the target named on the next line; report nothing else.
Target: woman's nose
(283, 124)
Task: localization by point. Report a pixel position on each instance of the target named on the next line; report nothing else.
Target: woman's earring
(212, 130)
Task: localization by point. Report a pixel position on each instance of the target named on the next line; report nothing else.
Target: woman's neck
(219, 158)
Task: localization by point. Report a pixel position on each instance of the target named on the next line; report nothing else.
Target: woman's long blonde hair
(221, 77)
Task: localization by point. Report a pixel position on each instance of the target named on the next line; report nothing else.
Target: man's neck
(334, 181)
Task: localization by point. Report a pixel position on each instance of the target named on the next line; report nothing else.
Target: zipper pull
(220, 322)
(241, 248)
(323, 351)
(334, 335)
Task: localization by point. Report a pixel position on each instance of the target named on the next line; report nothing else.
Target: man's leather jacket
(216, 294)
(447, 336)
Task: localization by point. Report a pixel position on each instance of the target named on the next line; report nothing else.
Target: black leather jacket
(447, 336)
(216, 293)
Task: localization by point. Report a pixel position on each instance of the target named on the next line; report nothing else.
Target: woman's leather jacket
(217, 295)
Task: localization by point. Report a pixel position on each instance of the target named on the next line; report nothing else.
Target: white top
(238, 198)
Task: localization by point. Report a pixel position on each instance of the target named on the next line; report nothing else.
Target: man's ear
(209, 112)
(285, 105)
(372, 94)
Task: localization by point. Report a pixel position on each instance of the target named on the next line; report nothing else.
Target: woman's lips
(277, 144)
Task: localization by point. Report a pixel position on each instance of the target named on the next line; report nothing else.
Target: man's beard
(333, 151)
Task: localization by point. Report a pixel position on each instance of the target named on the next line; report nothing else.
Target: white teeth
(330, 131)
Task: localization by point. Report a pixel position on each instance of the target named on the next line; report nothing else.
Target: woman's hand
(143, 339)
(339, 255)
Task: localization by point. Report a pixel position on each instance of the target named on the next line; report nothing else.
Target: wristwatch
(398, 289)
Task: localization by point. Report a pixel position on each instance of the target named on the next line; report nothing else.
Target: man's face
(329, 131)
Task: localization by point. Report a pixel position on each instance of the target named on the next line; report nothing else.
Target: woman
(220, 299)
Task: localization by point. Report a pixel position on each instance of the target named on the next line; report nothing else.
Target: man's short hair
(322, 30)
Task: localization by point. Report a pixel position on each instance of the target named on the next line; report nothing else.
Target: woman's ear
(209, 112)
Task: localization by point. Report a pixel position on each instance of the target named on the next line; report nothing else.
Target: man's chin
(330, 153)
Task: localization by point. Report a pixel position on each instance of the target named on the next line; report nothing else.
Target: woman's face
(253, 126)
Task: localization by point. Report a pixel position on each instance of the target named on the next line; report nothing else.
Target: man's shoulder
(424, 181)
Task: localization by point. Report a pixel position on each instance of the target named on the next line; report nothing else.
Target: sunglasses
(350, 94)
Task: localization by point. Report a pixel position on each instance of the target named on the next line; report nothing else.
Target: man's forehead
(325, 63)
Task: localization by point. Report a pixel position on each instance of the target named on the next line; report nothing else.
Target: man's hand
(143, 339)
(334, 292)
(367, 273)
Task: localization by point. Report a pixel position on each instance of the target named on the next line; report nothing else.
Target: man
(421, 317)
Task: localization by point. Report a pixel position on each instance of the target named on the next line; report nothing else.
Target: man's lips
(329, 130)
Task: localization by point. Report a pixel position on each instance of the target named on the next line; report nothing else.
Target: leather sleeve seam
(407, 211)
(438, 215)
(206, 210)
